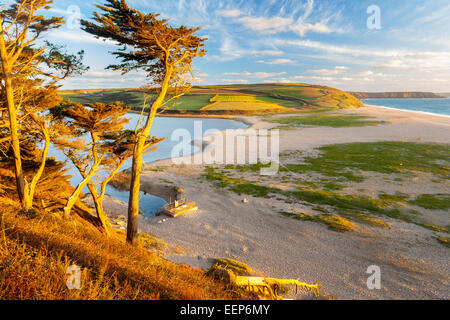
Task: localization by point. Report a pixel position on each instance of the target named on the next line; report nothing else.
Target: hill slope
(35, 253)
(260, 98)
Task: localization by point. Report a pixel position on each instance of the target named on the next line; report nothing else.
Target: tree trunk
(30, 188)
(98, 202)
(15, 142)
(133, 202)
(76, 194)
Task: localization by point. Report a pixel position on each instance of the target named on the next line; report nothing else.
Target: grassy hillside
(255, 97)
(35, 252)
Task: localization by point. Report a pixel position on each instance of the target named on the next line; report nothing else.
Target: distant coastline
(397, 95)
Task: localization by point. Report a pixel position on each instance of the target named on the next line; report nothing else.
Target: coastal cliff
(396, 95)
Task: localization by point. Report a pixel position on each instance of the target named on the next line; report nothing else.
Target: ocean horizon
(426, 106)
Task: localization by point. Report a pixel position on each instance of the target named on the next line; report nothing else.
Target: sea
(428, 106)
(170, 128)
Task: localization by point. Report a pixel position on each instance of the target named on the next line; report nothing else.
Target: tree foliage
(164, 52)
(93, 137)
(28, 85)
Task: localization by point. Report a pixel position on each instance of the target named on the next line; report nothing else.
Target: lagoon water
(163, 127)
(435, 106)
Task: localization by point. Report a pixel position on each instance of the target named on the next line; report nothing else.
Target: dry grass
(35, 254)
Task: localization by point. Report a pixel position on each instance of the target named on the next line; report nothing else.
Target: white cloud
(180, 5)
(280, 24)
(255, 75)
(276, 61)
(381, 58)
(100, 74)
(229, 50)
(229, 13)
(77, 36)
(289, 21)
(235, 81)
(266, 25)
(267, 52)
(302, 28)
(329, 72)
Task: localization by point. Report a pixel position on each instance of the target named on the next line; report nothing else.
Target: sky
(357, 45)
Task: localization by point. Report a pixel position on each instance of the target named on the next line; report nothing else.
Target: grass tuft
(432, 201)
(444, 240)
(335, 223)
(237, 267)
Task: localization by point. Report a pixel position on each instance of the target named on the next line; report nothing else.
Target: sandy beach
(413, 264)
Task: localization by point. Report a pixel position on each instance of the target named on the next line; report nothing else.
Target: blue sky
(324, 42)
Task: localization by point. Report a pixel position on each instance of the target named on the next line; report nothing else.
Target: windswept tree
(93, 137)
(29, 75)
(166, 53)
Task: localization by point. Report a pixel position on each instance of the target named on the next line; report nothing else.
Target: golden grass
(445, 241)
(247, 106)
(240, 103)
(35, 254)
(435, 228)
(367, 219)
(335, 223)
(209, 106)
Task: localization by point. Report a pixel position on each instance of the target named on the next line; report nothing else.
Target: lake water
(163, 128)
(435, 106)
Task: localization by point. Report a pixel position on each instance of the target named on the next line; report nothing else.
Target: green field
(192, 101)
(247, 97)
(320, 181)
(133, 98)
(339, 121)
(234, 98)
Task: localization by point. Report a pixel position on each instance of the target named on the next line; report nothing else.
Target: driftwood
(268, 287)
